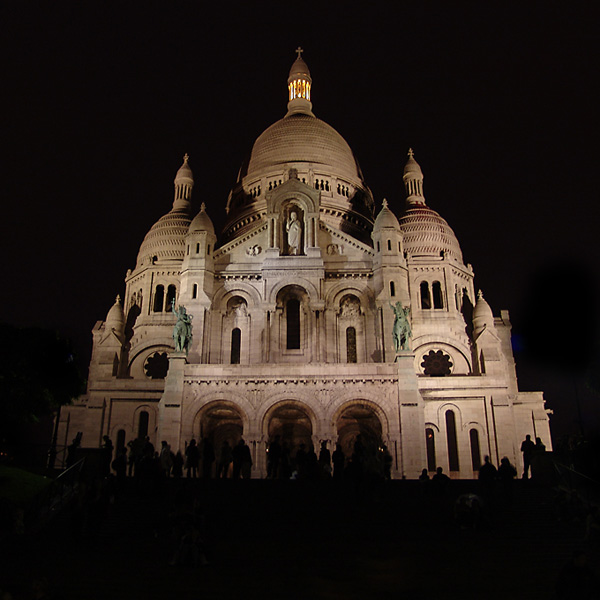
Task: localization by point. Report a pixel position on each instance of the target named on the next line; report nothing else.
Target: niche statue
(182, 332)
(402, 331)
(293, 228)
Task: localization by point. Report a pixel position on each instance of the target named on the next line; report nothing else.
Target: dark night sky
(499, 103)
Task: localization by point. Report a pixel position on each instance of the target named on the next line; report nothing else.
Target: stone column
(170, 405)
(412, 417)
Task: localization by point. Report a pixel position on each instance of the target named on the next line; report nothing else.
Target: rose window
(436, 363)
(157, 365)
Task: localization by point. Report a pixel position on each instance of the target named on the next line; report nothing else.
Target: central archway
(291, 422)
(358, 418)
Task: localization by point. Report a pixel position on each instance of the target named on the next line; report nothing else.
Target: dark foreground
(294, 539)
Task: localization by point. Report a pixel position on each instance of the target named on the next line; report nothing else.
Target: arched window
(143, 425)
(293, 324)
(452, 441)
(392, 289)
(475, 451)
(236, 344)
(351, 345)
(425, 297)
(430, 444)
(438, 300)
(197, 248)
(171, 293)
(390, 245)
(195, 291)
(159, 298)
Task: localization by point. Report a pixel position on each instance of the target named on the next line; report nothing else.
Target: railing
(51, 500)
(586, 487)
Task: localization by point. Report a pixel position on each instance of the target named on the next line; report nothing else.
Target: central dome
(302, 138)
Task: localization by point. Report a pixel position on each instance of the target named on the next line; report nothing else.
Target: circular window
(436, 364)
(157, 365)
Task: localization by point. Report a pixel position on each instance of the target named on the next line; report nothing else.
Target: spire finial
(118, 299)
(385, 203)
(203, 207)
(411, 154)
(299, 51)
(186, 157)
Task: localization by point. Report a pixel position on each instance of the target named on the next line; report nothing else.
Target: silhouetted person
(208, 458)
(527, 448)
(424, 476)
(246, 461)
(166, 462)
(107, 450)
(301, 458)
(539, 448)
(73, 450)
(273, 458)
(192, 459)
(577, 580)
(325, 460)
(120, 465)
(440, 481)
(224, 460)
(487, 476)
(506, 474)
(339, 461)
(468, 511)
(285, 462)
(387, 463)
(238, 452)
(178, 465)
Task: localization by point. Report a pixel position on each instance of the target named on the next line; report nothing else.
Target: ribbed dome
(165, 240)
(302, 138)
(426, 233)
(202, 222)
(385, 219)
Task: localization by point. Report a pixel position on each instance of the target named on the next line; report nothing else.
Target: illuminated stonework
(292, 314)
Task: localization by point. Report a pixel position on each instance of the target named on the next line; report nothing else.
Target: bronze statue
(182, 332)
(402, 331)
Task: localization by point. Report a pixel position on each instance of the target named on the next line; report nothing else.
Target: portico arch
(218, 421)
(292, 421)
(359, 417)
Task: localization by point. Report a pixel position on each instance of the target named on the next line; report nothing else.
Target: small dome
(115, 319)
(184, 175)
(483, 318)
(165, 240)
(385, 219)
(202, 222)
(426, 233)
(302, 138)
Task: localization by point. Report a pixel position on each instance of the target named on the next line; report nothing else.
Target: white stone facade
(292, 320)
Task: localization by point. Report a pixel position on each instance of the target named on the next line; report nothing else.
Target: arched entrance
(221, 422)
(290, 421)
(358, 418)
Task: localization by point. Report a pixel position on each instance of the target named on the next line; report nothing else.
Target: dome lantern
(184, 182)
(299, 87)
(413, 180)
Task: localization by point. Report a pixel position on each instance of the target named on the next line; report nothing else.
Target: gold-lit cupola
(299, 87)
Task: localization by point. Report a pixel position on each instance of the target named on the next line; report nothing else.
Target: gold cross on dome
(299, 51)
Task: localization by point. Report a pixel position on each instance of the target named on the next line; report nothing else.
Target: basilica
(314, 316)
